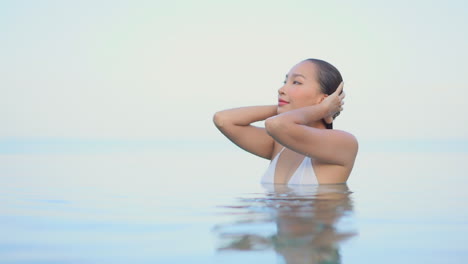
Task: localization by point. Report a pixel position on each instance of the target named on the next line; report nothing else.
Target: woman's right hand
(334, 104)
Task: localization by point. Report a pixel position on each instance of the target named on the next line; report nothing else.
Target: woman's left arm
(291, 130)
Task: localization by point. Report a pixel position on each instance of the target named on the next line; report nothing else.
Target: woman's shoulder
(346, 137)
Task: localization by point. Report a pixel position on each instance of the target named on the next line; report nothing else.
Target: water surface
(188, 205)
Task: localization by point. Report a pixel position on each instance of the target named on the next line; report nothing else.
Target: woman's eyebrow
(296, 75)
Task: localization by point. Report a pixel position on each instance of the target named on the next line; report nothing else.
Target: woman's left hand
(334, 104)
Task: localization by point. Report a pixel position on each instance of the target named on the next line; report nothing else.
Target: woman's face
(300, 88)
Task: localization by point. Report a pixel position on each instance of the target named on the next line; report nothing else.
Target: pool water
(192, 205)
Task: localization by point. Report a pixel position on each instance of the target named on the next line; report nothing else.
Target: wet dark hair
(329, 79)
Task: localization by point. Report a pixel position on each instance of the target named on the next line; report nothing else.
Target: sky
(161, 69)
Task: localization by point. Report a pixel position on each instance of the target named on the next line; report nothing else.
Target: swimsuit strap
(304, 173)
(277, 155)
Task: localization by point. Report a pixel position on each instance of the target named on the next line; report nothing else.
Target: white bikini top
(304, 174)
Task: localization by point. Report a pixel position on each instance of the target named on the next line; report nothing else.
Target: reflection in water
(303, 224)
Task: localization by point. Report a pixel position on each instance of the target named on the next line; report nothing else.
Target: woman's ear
(328, 119)
(322, 98)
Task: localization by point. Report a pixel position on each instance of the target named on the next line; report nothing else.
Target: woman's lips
(282, 102)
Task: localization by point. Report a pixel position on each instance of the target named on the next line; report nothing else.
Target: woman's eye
(284, 81)
(296, 82)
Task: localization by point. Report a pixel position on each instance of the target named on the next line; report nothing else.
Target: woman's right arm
(235, 124)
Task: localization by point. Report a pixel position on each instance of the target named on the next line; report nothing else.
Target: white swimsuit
(304, 174)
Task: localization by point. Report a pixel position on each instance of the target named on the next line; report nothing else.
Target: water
(302, 224)
(190, 204)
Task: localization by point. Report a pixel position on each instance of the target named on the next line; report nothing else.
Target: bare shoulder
(345, 136)
(346, 139)
(347, 142)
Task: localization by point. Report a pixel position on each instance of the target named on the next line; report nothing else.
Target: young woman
(298, 136)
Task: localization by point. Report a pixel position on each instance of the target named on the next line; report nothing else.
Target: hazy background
(158, 70)
(102, 77)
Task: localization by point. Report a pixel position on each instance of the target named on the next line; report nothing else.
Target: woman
(298, 136)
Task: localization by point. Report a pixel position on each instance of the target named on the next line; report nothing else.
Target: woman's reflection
(309, 223)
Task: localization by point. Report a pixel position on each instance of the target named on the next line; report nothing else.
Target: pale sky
(160, 69)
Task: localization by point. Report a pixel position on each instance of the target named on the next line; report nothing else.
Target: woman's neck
(318, 124)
